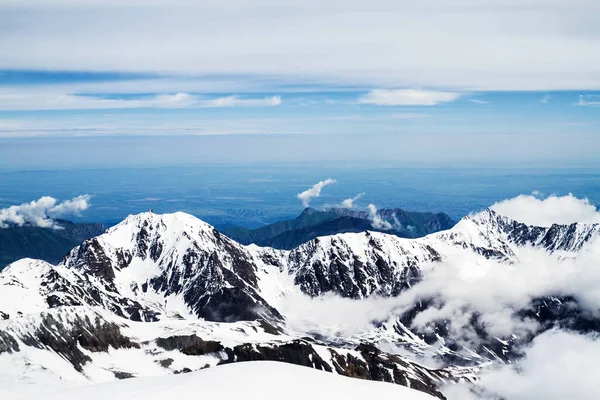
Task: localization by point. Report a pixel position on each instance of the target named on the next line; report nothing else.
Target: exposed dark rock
(65, 338)
(91, 257)
(296, 352)
(8, 344)
(166, 363)
(123, 375)
(190, 345)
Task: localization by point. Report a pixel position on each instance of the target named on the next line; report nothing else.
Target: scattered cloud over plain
(479, 101)
(408, 97)
(589, 100)
(314, 191)
(49, 101)
(42, 212)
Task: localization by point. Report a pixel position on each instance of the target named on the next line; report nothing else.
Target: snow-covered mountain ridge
(176, 295)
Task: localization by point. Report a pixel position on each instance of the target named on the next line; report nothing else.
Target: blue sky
(506, 81)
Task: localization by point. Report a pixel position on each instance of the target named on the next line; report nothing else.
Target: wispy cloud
(479, 101)
(408, 97)
(589, 100)
(47, 101)
(314, 191)
(42, 212)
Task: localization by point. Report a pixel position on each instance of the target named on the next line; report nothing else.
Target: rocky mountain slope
(161, 294)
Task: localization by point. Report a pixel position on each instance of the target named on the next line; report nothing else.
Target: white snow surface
(260, 380)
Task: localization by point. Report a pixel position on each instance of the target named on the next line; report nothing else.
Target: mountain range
(313, 223)
(48, 244)
(168, 294)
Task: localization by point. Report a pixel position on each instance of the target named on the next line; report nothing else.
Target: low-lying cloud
(558, 365)
(532, 210)
(351, 202)
(314, 191)
(42, 212)
(376, 221)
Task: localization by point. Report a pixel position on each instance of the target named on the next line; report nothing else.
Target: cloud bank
(532, 210)
(408, 97)
(558, 365)
(41, 212)
(430, 44)
(314, 191)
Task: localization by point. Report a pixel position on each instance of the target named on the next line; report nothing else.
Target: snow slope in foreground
(264, 380)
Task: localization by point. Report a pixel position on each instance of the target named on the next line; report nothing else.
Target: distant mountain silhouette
(46, 244)
(312, 223)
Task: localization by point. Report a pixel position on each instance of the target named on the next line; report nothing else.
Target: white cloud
(71, 207)
(558, 365)
(479, 101)
(403, 43)
(589, 100)
(350, 203)
(50, 101)
(42, 212)
(408, 97)
(376, 221)
(314, 191)
(545, 99)
(531, 210)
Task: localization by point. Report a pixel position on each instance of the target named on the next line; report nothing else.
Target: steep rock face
(36, 285)
(496, 236)
(150, 256)
(359, 265)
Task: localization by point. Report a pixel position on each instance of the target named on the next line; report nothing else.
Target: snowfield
(260, 380)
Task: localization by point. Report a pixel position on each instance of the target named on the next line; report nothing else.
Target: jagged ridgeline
(176, 295)
(312, 223)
